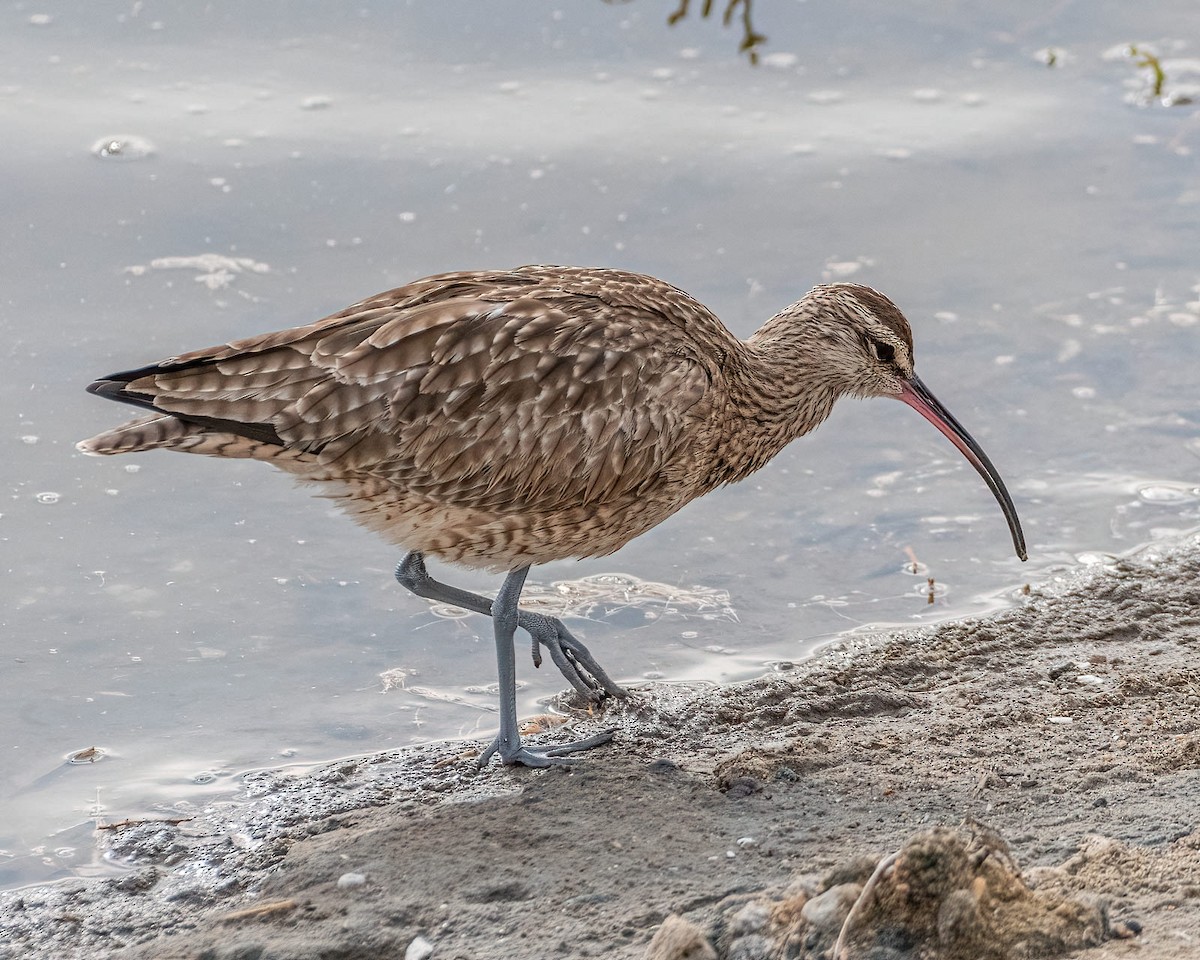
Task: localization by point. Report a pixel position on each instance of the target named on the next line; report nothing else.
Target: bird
(501, 419)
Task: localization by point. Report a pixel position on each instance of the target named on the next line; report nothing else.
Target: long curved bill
(917, 396)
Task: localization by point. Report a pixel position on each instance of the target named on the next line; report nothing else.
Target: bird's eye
(885, 352)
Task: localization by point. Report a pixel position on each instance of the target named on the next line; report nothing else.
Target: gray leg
(569, 654)
(508, 740)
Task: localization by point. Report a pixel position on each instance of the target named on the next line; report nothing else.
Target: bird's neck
(777, 393)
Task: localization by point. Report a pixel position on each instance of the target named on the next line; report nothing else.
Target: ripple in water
(1167, 493)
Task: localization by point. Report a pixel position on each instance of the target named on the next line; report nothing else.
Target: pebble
(348, 881)
(741, 787)
(827, 911)
(419, 949)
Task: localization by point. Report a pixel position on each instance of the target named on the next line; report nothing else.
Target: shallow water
(178, 175)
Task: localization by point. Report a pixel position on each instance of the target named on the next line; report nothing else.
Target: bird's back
(493, 418)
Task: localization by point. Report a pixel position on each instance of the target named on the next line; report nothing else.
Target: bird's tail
(162, 431)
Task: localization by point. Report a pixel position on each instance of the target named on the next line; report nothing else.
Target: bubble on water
(48, 496)
(30, 439)
(318, 102)
(132, 467)
(40, 19)
(123, 147)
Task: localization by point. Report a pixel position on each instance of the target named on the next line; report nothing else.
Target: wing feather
(510, 391)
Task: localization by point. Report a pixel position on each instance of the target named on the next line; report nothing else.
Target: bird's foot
(552, 755)
(570, 655)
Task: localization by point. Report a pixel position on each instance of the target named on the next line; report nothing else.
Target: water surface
(178, 175)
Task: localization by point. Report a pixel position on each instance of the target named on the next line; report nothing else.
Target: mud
(1034, 778)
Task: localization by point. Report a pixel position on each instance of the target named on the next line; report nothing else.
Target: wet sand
(1038, 772)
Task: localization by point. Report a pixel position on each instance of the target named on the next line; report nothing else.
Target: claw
(572, 657)
(550, 755)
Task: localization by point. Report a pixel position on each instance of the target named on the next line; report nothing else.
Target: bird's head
(859, 339)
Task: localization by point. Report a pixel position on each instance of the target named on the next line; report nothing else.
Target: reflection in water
(742, 9)
(751, 38)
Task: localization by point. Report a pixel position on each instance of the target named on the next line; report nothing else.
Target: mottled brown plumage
(501, 419)
(504, 419)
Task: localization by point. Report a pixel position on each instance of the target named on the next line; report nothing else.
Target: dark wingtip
(105, 388)
(116, 387)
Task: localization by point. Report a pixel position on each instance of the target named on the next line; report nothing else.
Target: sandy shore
(1057, 744)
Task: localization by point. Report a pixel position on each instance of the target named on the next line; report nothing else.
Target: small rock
(752, 918)
(419, 949)
(742, 787)
(677, 939)
(827, 912)
(348, 881)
